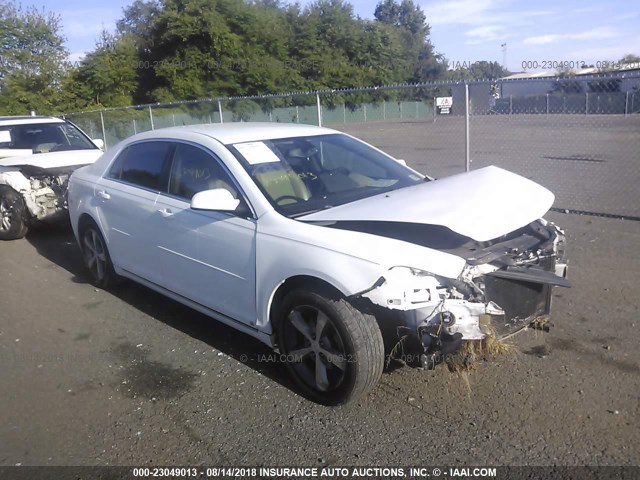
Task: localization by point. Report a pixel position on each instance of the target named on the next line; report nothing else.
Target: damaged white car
(37, 156)
(318, 244)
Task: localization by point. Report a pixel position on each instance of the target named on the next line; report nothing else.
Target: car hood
(483, 204)
(54, 159)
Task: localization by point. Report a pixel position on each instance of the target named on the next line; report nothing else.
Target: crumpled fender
(15, 179)
(21, 184)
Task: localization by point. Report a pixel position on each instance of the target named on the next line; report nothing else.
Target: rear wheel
(334, 352)
(12, 215)
(96, 256)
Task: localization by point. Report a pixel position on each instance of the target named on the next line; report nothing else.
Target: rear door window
(143, 164)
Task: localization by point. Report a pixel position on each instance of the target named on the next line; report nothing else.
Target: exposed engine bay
(505, 285)
(46, 195)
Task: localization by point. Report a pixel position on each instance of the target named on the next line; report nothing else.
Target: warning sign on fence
(444, 105)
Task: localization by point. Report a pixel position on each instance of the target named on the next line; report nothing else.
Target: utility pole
(504, 55)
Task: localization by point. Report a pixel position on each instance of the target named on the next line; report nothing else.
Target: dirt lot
(127, 377)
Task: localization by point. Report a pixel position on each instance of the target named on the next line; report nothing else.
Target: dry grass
(471, 352)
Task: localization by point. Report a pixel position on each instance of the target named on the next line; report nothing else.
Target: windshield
(306, 174)
(42, 138)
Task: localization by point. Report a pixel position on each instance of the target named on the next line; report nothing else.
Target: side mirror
(98, 142)
(218, 199)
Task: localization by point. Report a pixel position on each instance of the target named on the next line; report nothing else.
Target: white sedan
(318, 244)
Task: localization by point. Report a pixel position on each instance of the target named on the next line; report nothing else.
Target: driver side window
(194, 170)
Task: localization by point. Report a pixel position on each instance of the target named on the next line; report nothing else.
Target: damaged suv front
(505, 285)
(37, 157)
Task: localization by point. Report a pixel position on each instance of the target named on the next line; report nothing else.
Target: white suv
(37, 156)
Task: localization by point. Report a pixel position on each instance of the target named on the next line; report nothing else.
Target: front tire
(12, 215)
(334, 352)
(96, 256)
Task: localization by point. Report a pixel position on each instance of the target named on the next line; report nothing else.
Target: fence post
(416, 110)
(466, 126)
(297, 114)
(510, 105)
(220, 111)
(384, 109)
(270, 118)
(586, 103)
(319, 107)
(434, 109)
(173, 115)
(135, 130)
(547, 115)
(151, 118)
(344, 113)
(598, 104)
(400, 109)
(104, 135)
(364, 108)
(626, 104)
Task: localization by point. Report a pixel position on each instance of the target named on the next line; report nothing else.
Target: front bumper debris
(497, 298)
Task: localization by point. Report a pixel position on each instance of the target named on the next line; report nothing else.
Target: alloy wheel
(5, 215)
(314, 348)
(95, 254)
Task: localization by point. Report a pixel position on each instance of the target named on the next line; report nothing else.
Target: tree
(107, 76)
(629, 58)
(33, 60)
(418, 55)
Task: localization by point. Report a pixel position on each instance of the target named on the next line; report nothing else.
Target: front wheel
(96, 256)
(334, 352)
(12, 215)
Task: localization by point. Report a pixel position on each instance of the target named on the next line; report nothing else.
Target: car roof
(228, 133)
(28, 120)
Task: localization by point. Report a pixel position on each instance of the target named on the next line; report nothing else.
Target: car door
(127, 196)
(207, 256)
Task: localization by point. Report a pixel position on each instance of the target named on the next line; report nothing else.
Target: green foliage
(168, 50)
(32, 60)
(108, 75)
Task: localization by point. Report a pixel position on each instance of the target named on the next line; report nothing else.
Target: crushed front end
(46, 197)
(505, 285)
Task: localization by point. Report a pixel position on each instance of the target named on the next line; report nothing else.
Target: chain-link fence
(578, 136)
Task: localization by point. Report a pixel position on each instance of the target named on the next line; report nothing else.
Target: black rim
(95, 256)
(5, 215)
(314, 348)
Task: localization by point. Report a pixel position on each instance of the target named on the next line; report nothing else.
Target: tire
(96, 256)
(347, 360)
(12, 215)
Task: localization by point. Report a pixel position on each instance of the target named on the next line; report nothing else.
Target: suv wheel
(12, 215)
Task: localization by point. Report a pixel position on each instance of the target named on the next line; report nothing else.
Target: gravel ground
(127, 377)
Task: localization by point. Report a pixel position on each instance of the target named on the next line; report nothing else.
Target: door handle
(103, 194)
(166, 212)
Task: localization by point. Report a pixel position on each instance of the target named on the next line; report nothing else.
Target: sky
(536, 33)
